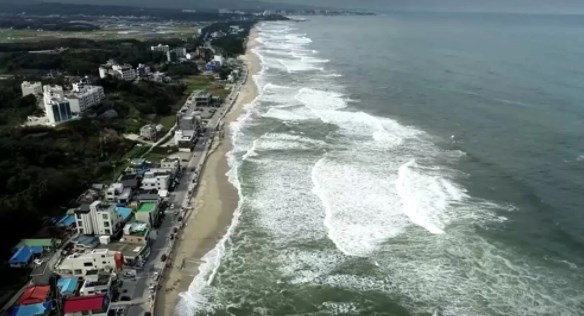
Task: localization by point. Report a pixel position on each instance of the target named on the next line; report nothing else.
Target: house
(136, 233)
(148, 212)
(148, 132)
(98, 219)
(143, 70)
(23, 256)
(96, 260)
(172, 164)
(132, 254)
(85, 243)
(67, 221)
(38, 309)
(156, 180)
(34, 295)
(97, 305)
(35, 88)
(220, 60)
(185, 140)
(119, 193)
(68, 286)
(96, 283)
(203, 98)
(46, 243)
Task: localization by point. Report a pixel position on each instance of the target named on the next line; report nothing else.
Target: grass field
(140, 32)
(197, 82)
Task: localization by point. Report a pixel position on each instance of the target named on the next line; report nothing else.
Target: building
(156, 180)
(143, 70)
(160, 48)
(96, 305)
(98, 218)
(148, 212)
(119, 193)
(172, 164)
(84, 97)
(35, 88)
(96, 283)
(85, 243)
(57, 107)
(220, 60)
(148, 132)
(81, 264)
(68, 286)
(203, 98)
(123, 72)
(133, 254)
(185, 140)
(136, 233)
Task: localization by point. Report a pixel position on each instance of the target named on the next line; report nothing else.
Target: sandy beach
(215, 203)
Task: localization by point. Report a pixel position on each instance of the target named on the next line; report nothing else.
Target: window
(80, 230)
(78, 272)
(103, 262)
(108, 232)
(78, 216)
(106, 224)
(105, 216)
(88, 264)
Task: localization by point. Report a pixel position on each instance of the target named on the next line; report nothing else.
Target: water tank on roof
(119, 258)
(104, 240)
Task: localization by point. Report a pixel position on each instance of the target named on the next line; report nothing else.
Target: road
(181, 199)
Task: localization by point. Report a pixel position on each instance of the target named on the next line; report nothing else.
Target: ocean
(407, 164)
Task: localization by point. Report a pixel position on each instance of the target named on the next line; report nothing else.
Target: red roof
(34, 295)
(84, 303)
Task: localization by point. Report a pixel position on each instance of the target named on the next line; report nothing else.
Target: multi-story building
(119, 193)
(136, 233)
(81, 264)
(124, 72)
(148, 212)
(57, 107)
(143, 70)
(156, 180)
(96, 283)
(34, 88)
(160, 48)
(98, 219)
(111, 68)
(172, 164)
(85, 97)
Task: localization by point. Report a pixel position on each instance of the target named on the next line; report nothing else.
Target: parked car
(163, 258)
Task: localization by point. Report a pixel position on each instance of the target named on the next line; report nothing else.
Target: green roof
(147, 207)
(35, 242)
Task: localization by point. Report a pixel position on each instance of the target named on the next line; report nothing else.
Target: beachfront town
(107, 254)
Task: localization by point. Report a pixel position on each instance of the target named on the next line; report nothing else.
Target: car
(172, 206)
(163, 258)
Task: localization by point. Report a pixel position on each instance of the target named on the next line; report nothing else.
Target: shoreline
(215, 201)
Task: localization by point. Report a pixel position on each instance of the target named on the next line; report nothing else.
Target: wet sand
(215, 203)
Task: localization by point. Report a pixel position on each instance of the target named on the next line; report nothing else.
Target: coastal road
(180, 197)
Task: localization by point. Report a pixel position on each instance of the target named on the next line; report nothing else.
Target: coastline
(215, 202)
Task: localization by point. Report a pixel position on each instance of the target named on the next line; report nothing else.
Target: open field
(142, 31)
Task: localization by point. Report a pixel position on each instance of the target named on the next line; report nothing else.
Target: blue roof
(125, 212)
(31, 309)
(67, 285)
(36, 249)
(87, 240)
(22, 256)
(67, 221)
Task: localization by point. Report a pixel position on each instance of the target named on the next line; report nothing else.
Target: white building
(111, 68)
(57, 107)
(98, 219)
(124, 72)
(148, 132)
(220, 60)
(172, 164)
(160, 48)
(118, 193)
(34, 88)
(185, 139)
(96, 283)
(97, 260)
(85, 97)
(156, 179)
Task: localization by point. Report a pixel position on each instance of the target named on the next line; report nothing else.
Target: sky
(528, 6)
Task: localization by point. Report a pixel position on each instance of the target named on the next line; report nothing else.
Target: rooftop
(34, 294)
(127, 250)
(95, 303)
(147, 207)
(67, 285)
(43, 242)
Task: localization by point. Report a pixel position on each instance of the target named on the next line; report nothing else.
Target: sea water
(409, 164)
